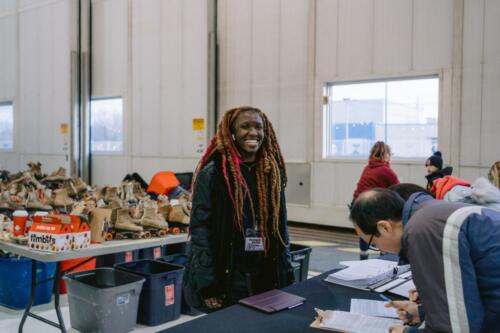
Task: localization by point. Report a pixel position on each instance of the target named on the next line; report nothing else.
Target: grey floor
(329, 246)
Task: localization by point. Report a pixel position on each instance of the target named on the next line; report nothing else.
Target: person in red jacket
(378, 173)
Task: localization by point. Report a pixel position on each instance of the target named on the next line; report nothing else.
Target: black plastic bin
(300, 261)
(185, 178)
(153, 252)
(176, 248)
(103, 300)
(161, 295)
(109, 260)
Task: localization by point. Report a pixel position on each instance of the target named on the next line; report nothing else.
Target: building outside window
(106, 123)
(401, 112)
(6, 126)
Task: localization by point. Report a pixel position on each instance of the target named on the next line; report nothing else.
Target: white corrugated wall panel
(146, 58)
(355, 35)
(195, 72)
(327, 17)
(8, 57)
(392, 46)
(109, 48)
(29, 93)
(8, 7)
(323, 184)
(432, 34)
(238, 51)
(472, 82)
(490, 120)
(266, 57)
(172, 77)
(45, 81)
(293, 125)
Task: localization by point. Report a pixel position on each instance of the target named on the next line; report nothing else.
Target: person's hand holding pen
(413, 295)
(407, 311)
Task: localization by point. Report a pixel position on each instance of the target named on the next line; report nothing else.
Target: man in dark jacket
(453, 250)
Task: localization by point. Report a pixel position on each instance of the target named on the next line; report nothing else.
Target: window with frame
(401, 112)
(6, 126)
(106, 123)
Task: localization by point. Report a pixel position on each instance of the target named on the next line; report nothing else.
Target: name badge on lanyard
(253, 241)
(253, 244)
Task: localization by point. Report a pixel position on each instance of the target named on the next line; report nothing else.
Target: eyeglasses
(372, 247)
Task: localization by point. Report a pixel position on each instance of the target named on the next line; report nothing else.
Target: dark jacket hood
(439, 174)
(375, 163)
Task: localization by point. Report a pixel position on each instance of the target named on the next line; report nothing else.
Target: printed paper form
(371, 307)
(403, 289)
(355, 323)
(366, 269)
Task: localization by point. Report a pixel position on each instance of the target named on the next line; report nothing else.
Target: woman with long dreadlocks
(239, 237)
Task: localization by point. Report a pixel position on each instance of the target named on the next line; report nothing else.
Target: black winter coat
(210, 264)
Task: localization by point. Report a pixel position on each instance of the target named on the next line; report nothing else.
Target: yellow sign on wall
(64, 128)
(198, 124)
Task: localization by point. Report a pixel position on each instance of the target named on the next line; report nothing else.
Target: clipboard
(273, 301)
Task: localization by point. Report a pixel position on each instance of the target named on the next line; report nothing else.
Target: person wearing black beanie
(435, 170)
(434, 163)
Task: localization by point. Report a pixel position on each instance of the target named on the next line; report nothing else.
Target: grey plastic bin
(103, 300)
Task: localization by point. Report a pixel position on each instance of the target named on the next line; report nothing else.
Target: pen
(385, 298)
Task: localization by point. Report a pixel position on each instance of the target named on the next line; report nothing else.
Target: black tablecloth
(241, 319)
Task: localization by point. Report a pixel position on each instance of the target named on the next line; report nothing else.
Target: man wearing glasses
(453, 250)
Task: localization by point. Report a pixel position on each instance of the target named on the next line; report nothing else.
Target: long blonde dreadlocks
(270, 168)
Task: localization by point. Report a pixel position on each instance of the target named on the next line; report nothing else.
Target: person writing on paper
(378, 173)
(453, 250)
(239, 237)
(410, 312)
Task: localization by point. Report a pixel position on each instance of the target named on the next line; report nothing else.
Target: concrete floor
(329, 246)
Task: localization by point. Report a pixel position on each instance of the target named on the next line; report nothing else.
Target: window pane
(107, 125)
(6, 126)
(402, 113)
(412, 114)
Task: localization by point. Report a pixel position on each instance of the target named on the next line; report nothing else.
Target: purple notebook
(273, 301)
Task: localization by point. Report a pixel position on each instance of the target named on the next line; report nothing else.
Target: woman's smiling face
(248, 134)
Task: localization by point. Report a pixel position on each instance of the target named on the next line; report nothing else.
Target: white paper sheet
(367, 271)
(371, 307)
(356, 323)
(403, 289)
(390, 285)
(406, 275)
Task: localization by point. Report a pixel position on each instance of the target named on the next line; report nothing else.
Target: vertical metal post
(32, 296)
(57, 294)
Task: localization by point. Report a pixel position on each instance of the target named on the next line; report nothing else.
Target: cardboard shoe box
(81, 234)
(47, 233)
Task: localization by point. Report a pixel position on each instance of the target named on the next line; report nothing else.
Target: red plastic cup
(19, 219)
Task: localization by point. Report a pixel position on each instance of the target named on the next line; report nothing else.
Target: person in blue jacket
(453, 250)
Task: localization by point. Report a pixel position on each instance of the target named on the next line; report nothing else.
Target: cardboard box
(47, 233)
(80, 233)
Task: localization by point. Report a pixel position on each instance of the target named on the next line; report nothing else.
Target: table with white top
(110, 247)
